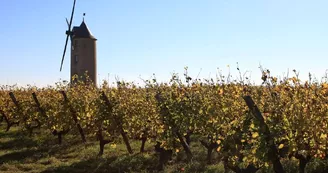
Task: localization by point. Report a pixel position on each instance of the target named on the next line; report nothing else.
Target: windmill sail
(68, 33)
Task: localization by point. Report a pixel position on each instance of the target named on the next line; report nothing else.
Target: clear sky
(142, 37)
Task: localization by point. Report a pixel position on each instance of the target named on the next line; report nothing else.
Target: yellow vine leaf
(218, 142)
(266, 164)
(281, 146)
(255, 135)
(220, 91)
(325, 85)
(254, 151)
(113, 145)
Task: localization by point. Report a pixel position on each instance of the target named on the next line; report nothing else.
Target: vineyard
(249, 128)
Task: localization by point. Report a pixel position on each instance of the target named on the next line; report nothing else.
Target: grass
(41, 154)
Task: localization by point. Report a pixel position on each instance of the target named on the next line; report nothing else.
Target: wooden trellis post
(74, 114)
(273, 151)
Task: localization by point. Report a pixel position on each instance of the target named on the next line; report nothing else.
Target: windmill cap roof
(82, 31)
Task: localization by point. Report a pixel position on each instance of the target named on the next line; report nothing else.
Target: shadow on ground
(9, 134)
(124, 163)
(18, 144)
(26, 148)
(34, 154)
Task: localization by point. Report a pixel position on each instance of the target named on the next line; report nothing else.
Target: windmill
(83, 50)
(69, 33)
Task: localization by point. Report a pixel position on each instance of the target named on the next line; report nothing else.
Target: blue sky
(139, 38)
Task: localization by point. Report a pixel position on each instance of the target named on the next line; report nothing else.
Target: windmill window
(75, 45)
(76, 58)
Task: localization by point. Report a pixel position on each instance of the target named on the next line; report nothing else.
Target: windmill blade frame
(67, 22)
(68, 33)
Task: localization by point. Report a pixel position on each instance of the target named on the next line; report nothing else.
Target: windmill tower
(83, 50)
